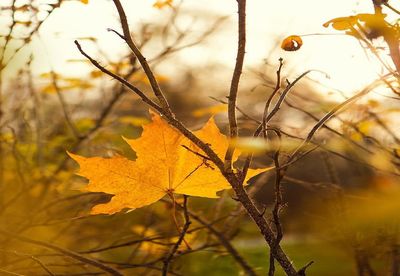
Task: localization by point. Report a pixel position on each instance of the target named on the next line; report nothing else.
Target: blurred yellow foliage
(133, 120)
(212, 110)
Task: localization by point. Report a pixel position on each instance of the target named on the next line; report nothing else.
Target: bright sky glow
(268, 22)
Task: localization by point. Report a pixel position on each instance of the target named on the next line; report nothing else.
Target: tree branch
(233, 128)
(143, 62)
(181, 238)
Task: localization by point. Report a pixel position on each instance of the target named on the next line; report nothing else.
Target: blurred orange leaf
(49, 75)
(159, 4)
(292, 43)
(167, 163)
(211, 110)
(96, 74)
(141, 77)
(71, 84)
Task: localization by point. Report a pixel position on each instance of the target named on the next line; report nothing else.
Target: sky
(340, 56)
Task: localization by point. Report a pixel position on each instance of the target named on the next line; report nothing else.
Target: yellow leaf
(342, 23)
(373, 22)
(84, 1)
(292, 43)
(167, 163)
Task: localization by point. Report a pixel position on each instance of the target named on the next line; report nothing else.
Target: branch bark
(233, 128)
(143, 62)
(174, 249)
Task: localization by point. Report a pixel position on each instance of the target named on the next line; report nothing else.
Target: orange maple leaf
(167, 163)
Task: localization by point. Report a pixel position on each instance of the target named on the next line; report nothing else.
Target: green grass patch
(328, 260)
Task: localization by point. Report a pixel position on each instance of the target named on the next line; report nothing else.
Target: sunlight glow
(338, 55)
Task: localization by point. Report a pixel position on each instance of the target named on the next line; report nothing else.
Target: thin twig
(196, 153)
(270, 98)
(247, 116)
(143, 62)
(141, 94)
(330, 114)
(279, 172)
(181, 238)
(233, 128)
(302, 271)
(171, 119)
(269, 116)
(224, 242)
(64, 251)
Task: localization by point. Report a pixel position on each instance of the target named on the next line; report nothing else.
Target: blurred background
(341, 197)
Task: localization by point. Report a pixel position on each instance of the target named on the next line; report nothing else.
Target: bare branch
(233, 128)
(149, 73)
(121, 80)
(181, 238)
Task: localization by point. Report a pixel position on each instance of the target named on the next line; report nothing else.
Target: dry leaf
(292, 43)
(163, 167)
